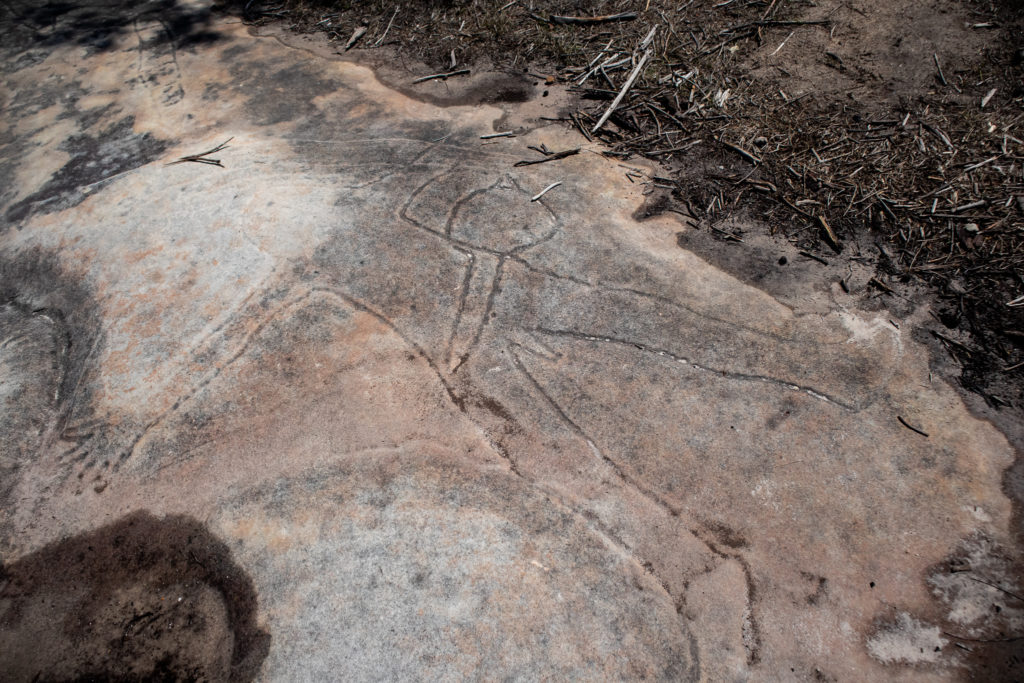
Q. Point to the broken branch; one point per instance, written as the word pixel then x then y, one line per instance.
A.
pixel 551 156
pixel 201 158
pixel 460 72
pixel 742 152
pixel 622 16
pixel 830 236
pixel 911 427
pixel 545 191
pixel 622 93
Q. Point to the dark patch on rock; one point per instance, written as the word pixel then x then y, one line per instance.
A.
pixel 96 25
pixel 481 86
pixel 212 92
pixel 35 281
pixel 141 599
pixel 502 89
pixel 25 59
pixel 985 574
pixel 48 326
pixel 655 204
pixel 496 408
pixel 10 154
pixel 489 88
pixel 768 263
pixel 25 102
pixel 783 413
pixel 727 536
pixel 820 675
pixel 86 118
pixel 751 265
pixel 1013 486
pixel 93 159
pixel 18 105
pixel 820 584
pixel 276 94
pixel 230 54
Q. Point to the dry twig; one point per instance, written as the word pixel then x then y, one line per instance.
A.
pixel 444 76
pixel 549 156
pixel 587 21
pixel 622 93
pixel 202 158
pixel 545 191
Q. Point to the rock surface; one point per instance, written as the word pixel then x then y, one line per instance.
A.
pixel 354 406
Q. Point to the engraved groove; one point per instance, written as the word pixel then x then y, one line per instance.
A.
pixel 742 376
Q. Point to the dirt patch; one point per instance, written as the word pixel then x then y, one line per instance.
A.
pixel 140 599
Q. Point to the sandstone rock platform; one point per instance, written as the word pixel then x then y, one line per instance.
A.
pixel 355 405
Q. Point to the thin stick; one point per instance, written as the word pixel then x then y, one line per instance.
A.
pixel 744 153
pixel 381 39
pixel 911 427
pixel 622 93
pixel 978 165
pixel 822 22
pixel 937 66
pixel 506 134
pixel 998 588
pixel 881 285
pixel 809 255
pixel 545 191
pixel 622 16
pixel 782 44
pixel 579 124
pixel 200 158
pixel 830 236
pixel 649 37
pixel 972 205
pixel 460 72
pixel 550 157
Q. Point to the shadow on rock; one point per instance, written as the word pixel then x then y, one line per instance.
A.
pixel 94 24
pixel 141 599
